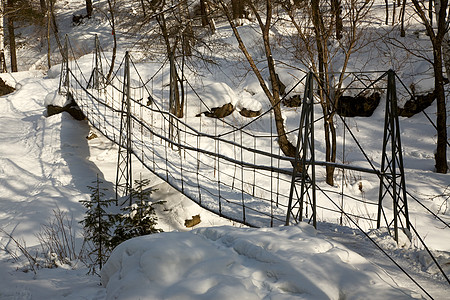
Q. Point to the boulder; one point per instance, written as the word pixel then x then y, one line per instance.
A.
pixel 192 222
pixel 4 88
pixel 53 110
pixel 248 106
pixel 72 108
pixel 249 113
pixel 293 101
pixel 219 112
pixel 358 106
pixel 416 104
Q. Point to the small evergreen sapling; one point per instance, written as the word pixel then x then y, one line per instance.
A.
pixel 97 224
pixel 137 219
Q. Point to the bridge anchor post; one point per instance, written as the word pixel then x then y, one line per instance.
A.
pixel 96 78
pixel 304 164
pixel 124 163
pixel 64 77
pixel 392 177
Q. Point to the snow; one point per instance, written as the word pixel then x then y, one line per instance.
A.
pixel 47 163
pixel 269 263
pixel 211 92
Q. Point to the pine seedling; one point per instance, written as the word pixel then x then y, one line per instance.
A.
pixel 139 218
pixel 97 224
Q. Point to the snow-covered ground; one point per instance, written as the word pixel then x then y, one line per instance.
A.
pixel 47 163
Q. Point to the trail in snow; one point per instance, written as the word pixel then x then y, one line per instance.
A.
pixel 38 159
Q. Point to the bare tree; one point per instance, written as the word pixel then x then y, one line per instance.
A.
pixel 110 15
pixel 52 26
pixel 171 41
pixel 187 31
pixel 437 35
pixel 174 28
pixel 22 13
pixel 265 23
pixel 328 60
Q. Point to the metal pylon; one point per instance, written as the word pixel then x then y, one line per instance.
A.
pixel 392 179
pixel 124 171
pixel 303 176
pixel 96 79
pixel 64 77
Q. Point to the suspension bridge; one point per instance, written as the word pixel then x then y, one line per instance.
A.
pixel 235 171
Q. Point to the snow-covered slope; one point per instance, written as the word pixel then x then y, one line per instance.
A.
pixel 229 263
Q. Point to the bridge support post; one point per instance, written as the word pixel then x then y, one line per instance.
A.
pixel 97 73
pixel 64 77
pixel 124 164
pixel 304 164
pixel 392 179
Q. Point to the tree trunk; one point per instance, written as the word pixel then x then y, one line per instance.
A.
pixel 441 117
pixel 188 32
pixel 52 15
pixel 387 12
pixel 112 7
pixel 12 36
pixel 206 16
pixel 446 53
pixel 327 107
pixel 49 49
pixel 2 40
pixel 402 26
pixel 2 18
pixel 274 98
pixel 430 11
pixel 89 8
pixel 437 39
pixel 176 107
pixel 337 14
